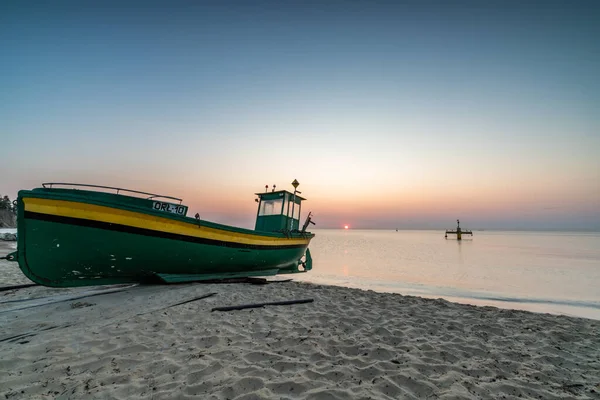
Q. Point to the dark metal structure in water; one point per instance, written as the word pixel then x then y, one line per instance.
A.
pixel 458 232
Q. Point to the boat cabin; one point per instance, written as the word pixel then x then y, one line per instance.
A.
pixel 278 211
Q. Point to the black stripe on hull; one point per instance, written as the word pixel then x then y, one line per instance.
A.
pixel 149 232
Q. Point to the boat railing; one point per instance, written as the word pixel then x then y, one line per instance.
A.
pixel 49 185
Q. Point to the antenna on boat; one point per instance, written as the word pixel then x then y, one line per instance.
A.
pixel 295 184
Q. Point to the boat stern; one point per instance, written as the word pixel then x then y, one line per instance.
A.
pixel 304 264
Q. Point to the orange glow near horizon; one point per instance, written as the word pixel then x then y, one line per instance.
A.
pixel 435 200
pixel 413 205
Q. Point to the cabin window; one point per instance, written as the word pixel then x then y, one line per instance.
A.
pixel 296 209
pixel 271 207
pixel 289 205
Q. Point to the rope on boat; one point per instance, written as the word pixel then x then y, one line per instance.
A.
pixel 15 287
pixel 9 257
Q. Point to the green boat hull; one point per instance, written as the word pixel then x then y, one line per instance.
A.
pixel 64 251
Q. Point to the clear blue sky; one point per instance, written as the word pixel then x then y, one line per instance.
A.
pixel 389 113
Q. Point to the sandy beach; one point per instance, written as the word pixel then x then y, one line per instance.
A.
pixel 132 343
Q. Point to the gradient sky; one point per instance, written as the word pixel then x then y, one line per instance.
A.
pixel 399 114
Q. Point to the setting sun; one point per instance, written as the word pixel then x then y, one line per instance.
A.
pixel 346 227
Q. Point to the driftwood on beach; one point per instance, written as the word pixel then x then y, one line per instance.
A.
pixel 258 305
pixel 179 303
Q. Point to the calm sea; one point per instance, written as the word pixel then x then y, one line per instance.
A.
pixel 550 272
pixel 553 272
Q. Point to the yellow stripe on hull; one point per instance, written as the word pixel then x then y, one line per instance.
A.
pixel 118 216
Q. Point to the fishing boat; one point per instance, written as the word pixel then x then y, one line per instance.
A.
pixel 80 235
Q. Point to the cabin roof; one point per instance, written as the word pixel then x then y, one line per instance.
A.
pixel 273 194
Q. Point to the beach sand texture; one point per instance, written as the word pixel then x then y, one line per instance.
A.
pixel 348 343
pixel 129 341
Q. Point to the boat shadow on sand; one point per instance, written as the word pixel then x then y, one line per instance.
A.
pixel 24 309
